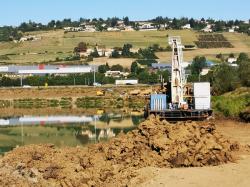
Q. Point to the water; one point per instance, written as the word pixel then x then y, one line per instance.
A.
pixel 63 130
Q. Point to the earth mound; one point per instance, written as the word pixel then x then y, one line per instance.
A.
pixel 114 163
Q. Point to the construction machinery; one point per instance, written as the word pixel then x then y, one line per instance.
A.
pixel 100 93
pixel 180 100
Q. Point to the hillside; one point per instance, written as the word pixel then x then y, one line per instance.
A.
pixel 232 104
pixel 55 44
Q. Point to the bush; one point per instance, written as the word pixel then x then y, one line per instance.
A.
pixel 230 106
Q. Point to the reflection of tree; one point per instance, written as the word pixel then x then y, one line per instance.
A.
pixel 136 120
pixel 5 149
pixel 105 118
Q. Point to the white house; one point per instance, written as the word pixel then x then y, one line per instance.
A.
pixel 116 74
pixel 73 29
pixel 112 29
pixel 204 71
pixel 231 60
pixel 128 28
pixel 146 26
pixel 29 38
pixel 187 26
pixel 231 30
pixel 208 28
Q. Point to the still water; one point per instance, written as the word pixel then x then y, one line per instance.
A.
pixel 63 130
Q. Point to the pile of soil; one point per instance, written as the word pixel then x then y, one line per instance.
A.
pixel 114 163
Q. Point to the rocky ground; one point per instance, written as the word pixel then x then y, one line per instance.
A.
pixel 137 157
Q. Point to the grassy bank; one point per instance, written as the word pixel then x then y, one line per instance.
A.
pixel 232 104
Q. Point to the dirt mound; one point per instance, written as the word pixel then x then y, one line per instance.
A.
pixel 153 143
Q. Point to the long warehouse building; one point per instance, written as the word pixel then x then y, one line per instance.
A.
pixel 47 69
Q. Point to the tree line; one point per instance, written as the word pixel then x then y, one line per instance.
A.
pixel 8 33
pixel 223 77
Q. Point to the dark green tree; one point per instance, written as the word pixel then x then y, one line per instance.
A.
pixel 103 68
pixel 126 50
pixel 116 67
pixel 115 54
pixel 126 20
pixel 199 62
pixel 225 78
pixel 95 53
pixel 242 57
pixel 244 72
pixel 134 67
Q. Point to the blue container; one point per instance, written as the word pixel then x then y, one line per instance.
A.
pixel 158 102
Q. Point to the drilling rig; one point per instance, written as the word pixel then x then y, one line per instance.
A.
pixel 184 101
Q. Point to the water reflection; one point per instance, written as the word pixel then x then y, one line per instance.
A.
pixel 63 130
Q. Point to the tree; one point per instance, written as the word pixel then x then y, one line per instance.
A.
pixel 224 78
pixel 244 72
pixel 103 68
pixel 81 47
pixel 116 67
pixel 242 57
pixel 95 53
pixel 199 62
pixel 51 24
pixel 115 54
pixel 126 50
pixel 147 53
pixel 134 67
pixel 126 20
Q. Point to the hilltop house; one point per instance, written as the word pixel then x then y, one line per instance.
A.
pixel 29 38
pixel 208 28
pixel 231 60
pixel 73 29
pixel 187 26
pixel 113 29
pixel 146 26
pixel 116 74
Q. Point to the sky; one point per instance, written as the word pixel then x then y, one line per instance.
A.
pixel 14 12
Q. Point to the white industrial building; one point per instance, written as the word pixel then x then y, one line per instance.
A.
pixel 46 69
pixel 126 82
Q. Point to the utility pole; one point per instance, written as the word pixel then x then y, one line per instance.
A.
pixel 94 75
pixel 21 80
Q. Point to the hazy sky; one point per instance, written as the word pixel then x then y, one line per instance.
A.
pixel 13 12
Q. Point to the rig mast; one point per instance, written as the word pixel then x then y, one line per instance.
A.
pixel 178 79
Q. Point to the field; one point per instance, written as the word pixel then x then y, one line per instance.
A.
pixel 57 44
pixel 212 41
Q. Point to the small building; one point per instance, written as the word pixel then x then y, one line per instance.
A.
pixel 205 71
pixel 116 74
pixel 143 26
pixel 126 82
pixel 161 66
pixel 231 30
pixel 113 29
pixel 187 26
pixel 128 28
pixel 29 38
pixel 208 28
pixel 231 60
pixel 73 29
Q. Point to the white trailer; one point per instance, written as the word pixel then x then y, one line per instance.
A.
pixel 126 82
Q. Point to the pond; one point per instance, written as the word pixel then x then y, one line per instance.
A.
pixel 63 130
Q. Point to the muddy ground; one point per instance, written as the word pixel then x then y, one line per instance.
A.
pixel 145 156
pixel 66 91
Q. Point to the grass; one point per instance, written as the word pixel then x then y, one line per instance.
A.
pixel 233 103
pixel 58 44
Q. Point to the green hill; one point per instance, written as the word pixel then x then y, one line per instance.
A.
pixel 55 44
